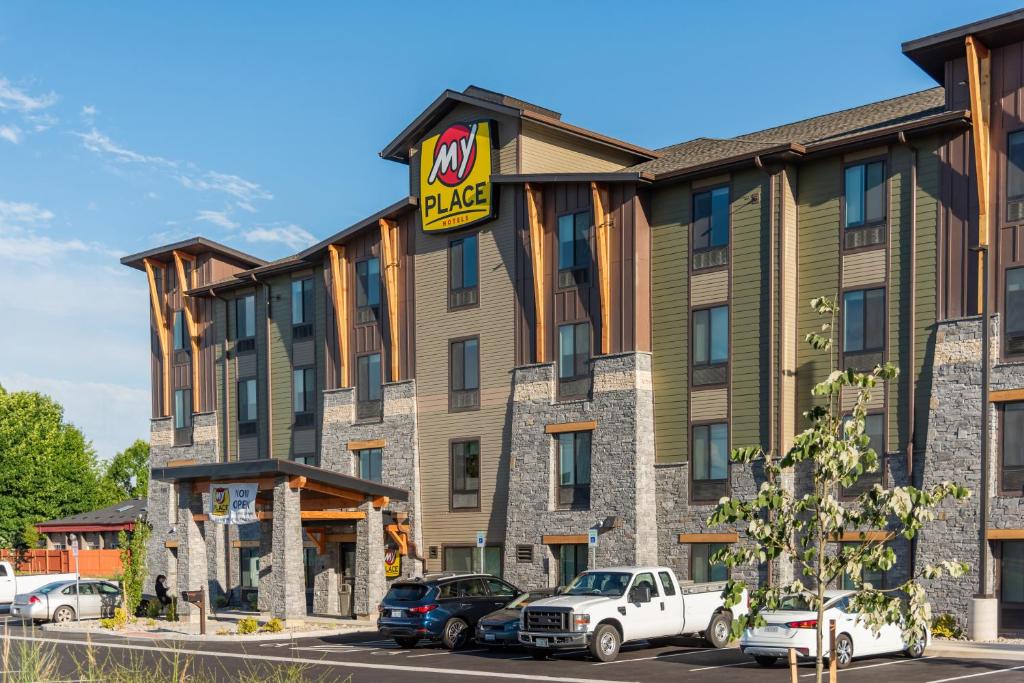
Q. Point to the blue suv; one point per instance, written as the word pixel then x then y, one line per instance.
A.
pixel 441 607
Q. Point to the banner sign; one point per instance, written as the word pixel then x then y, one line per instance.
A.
pixel 392 563
pixel 455 177
pixel 233 503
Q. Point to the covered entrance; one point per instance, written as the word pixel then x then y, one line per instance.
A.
pixel 321 534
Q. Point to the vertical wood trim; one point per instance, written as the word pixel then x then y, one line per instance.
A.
pixel 389 247
pixel 339 293
pixel 534 210
pixel 602 226
pixel 161 329
pixel 979 77
pixel 188 303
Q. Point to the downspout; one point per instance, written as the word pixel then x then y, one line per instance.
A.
pixel 270 377
pixel 912 336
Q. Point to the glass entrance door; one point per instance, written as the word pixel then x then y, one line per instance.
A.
pixel 1011 587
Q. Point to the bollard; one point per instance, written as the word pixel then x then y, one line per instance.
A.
pixel 833 672
pixel 792 665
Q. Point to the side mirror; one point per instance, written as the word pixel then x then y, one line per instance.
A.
pixel 640 594
pixel 560 590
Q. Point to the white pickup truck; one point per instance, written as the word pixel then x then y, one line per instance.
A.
pixel 11 585
pixel 604 608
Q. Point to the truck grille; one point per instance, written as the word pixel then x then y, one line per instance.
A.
pixel 541 620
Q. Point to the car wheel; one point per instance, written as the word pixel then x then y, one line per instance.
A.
pixel 844 651
pixel 62 615
pixel 764 660
pixel 456 632
pixel 915 651
pixel 604 646
pixel 540 654
pixel 406 642
pixel 719 632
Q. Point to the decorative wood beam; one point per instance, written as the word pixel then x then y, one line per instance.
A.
pixel 561 428
pixel 1004 534
pixel 190 319
pixel 389 247
pixel 602 228
pixel 564 539
pixel 979 77
pixel 709 538
pixel 535 213
pixel 339 293
pixel 341 538
pixel 245 544
pixel 380 501
pixel 261 516
pixel 161 333
pixel 1006 395
pixel 297 482
pixel 262 484
pixel 326 515
pixel 878 536
pixel 170 544
pixel 181 463
pixel 370 443
pixel 353 497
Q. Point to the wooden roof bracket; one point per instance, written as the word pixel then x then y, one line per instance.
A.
pixel 979 77
pixel 399 533
pixel 534 211
pixel 161 333
pixel 389 247
pixel 339 292
pixel 602 227
pixel 190 320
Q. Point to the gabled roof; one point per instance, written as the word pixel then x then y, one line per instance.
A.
pixel 398 149
pixel 392 211
pixel 194 245
pixel 123 514
pixel 932 52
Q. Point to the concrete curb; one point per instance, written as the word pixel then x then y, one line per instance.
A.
pixel 211 637
pixel 954 649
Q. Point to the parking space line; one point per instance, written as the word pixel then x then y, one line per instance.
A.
pixel 872 666
pixel 721 666
pixel 448 652
pixel 983 673
pixel 642 659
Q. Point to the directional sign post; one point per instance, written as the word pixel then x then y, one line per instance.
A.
pixel 78 576
pixel 481 541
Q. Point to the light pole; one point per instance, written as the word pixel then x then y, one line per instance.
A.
pixel 78 601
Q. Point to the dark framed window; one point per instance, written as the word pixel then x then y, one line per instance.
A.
pixel 369 462
pixel 574 257
pixel 1015 177
pixel 863 328
pixel 464 374
pixel 573 559
pixel 304 396
pixel 1012 447
pixel 711 227
pixel 1011 585
pixel 710 461
pixel 245 317
pixel 249 565
pixel 465 457
pixel 247 404
pixel 462 558
pixel 864 204
pixel 302 308
pixel 1014 328
pixel 463 272
pixel 182 417
pixel 710 346
pixel 573 350
pixel 701 567
pixel 367 289
pixel 874 427
pixel 876 577
pixel 179 331
pixel 369 400
pixel 574 470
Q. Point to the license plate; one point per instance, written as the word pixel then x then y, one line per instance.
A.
pixel 488 636
pixel 541 642
pixel 772 629
pixel 397 613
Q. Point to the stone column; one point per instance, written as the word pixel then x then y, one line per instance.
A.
pixel 192 565
pixel 325 583
pixel 287 578
pixel 371 584
pixel 266 534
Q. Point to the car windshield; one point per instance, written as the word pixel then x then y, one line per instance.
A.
pixel 525 599
pixel 610 584
pixel 50 587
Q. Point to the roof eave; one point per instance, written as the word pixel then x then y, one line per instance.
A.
pixel 191 245
pixel 786 150
pixel 591 136
pixel 612 177
pixel 395 209
pixel 932 52
pixel 939 121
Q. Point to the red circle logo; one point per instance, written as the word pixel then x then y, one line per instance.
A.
pixel 454 154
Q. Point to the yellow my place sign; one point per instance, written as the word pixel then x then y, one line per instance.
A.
pixel 455 177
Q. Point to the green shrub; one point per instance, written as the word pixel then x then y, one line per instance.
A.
pixel 247 626
pixel 153 609
pixel 946 626
pixel 118 621
pixel 273 626
pixel 221 601
pixel 172 610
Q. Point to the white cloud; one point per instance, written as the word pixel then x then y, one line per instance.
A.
pixel 22 213
pixel 21 241
pixel 95 141
pixel 10 133
pixel 291 235
pixel 38 248
pixel 89 111
pixel 240 188
pixel 14 98
pixel 220 218
pixel 246 206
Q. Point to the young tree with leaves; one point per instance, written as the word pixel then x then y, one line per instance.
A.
pixel 127 473
pixel 833 452
pixel 133 565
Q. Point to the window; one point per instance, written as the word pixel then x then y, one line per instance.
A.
pixel 573 351
pixel 304 396
pixel 249 563
pixel 574 470
pixel 863 327
pixel 573 248
pixel 369 462
pixel 367 288
pixel 467 559
pixel 302 302
pixel 1015 310
pixel 1011 585
pixel 572 561
pixel 182 409
pixel 500 589
pixel 701 568
pixel 465 475
pixel 368 386
pixel 245 317
pixel 1013 448
pixel 710 228
pixel 711 346
pixel 710 461
pixel 1015 177
pixel 247 401
pixel 876 577
pixel 666 583
pixel 179 331
pixel 464 377
pixel 874 427
pixel 864 204
pixel 463 276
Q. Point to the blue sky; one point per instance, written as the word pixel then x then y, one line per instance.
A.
pixel 128 125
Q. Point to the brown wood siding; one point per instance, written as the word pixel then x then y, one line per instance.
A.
pixel 958 271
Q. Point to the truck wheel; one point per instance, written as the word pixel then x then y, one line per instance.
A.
pixel 540 654
pixel 764 660
pixel 63 615
pixel 406 642
pixel 719 631
pixel 604 646
pixel 455 632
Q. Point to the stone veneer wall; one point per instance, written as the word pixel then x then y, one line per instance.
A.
pixel 622 482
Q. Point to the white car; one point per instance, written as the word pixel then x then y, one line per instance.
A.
pixel 793 626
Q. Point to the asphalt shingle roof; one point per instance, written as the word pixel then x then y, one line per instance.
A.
pixel 125 512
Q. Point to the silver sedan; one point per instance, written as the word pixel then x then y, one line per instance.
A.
pixel 57 601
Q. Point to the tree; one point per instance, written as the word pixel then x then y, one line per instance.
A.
pixel 127 473
pixel 47 468
pixel 833 451
pixel 133 563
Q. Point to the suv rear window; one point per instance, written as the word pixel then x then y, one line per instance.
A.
pixel 406 591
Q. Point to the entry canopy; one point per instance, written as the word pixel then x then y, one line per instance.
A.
pixel 342 489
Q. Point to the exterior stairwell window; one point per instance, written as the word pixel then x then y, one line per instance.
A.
pixel 711 346
pixel 245 323
pixel 369 394
pixel 574 255
pixel 574 471
pixel 863 328
pixel 247 408
pixel 1012 447
pixel 463 273
pixel 302 308
pixel 180 335
pixel 864 198
pixel 304 396
pixel 711 228
pixel 574 360
pixel 465 475
pixel 464 375
pixel 369 464
pixel 182 417
pixel 367 290
pixel 1014 329
pixel 710 478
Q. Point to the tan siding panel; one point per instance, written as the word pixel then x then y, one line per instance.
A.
pixel 709 404
pixel 709 288
pixel 546 150
pixel 864 268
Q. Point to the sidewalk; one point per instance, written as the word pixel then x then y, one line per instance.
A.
pixel 967 649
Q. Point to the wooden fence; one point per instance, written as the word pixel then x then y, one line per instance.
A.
pixel 93 563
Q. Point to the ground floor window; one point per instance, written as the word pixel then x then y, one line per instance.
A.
pixel 309 565
pixel 701 567
pixel 467 559
pixel 1011 586
pixel 249 563
pixel 876 577
pixel 572 560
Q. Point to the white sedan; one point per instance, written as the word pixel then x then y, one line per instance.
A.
pixel 793 626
